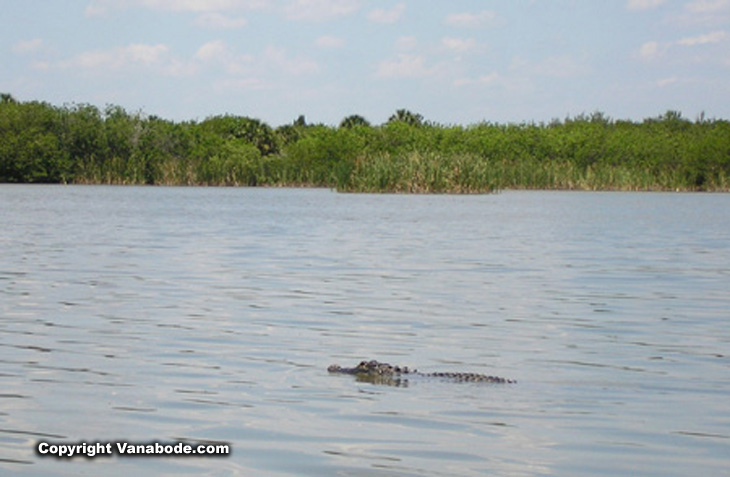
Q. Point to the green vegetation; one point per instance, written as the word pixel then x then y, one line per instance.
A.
pixel 83 144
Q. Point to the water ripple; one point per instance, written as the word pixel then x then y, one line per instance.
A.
pixel 150 313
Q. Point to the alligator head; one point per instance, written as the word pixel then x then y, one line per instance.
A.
pixel 374 368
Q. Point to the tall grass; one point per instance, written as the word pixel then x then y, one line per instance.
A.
pixel 417 172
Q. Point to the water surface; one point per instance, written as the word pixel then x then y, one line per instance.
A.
pixel 211 314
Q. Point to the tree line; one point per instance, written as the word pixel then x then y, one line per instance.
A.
pixel 80 143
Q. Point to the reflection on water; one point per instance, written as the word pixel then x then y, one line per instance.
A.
pixel 204 315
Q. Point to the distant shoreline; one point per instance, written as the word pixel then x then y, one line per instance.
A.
pixel 80 144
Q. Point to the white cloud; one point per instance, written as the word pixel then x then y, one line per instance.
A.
pixel 653 49
pixel 41 65
pixel 188 5
pixel 708 6
pixel 330 42
pixel 104 7
pixel 459 45
pixel 218 21
pixel 241 84
pixel 406 43
pixel 121 57
pixel 213 51
pixel 279 60
pixel 217 52
pixel 650 49
pixel 320 10
pixel 643 4
pixel 481 80
pixel 559 67
pixel 27 47
pixel 404 66
pixel 273 60
pixel 666 82
pixel 145 54
pixel 704 14
pixel 442 61
pixel 176 67
pixel 714 37
pixel 99 7
pixel 471 20
pixel 381 15
pixel 155 58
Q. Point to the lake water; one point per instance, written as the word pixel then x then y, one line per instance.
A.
pixel 147 314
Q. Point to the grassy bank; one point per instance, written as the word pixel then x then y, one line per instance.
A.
pixel 82 144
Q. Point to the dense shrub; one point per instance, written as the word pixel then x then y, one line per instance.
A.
pixel 80 143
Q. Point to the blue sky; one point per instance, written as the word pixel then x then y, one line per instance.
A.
pixel 461 61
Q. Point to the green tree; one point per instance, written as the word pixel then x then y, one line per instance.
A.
pixel 250 130
pixel 30 150
pixel 408 117
pixel 353 121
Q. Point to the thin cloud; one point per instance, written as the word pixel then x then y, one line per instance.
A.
pixel 272 60
pixel 635 5
pixel 241 84
pixel 145 54
pixel 278 59
pixel 705 14
pixel 329 42
pixel 218 53
pixel 381 15
pixel 708 6
pixel 666 82
pixel 560 66
pixel 155 58
pixel 650 50
pixel 654 49
pixel 27 47
pixel 459 45
pixel 471 20
pixel 479 81
pixel 217 21
pixel 104 7
pixel 406 43
pixel 216 50
pixel 320 10
pixel 404 66
pixel 121 57
pixel 714 37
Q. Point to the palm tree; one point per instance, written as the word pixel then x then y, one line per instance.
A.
pixel 403 115
pixel 353 121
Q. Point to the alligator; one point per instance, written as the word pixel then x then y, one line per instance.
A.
pixel 383 373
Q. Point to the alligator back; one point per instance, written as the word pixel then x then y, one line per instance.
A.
pixel 383 373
